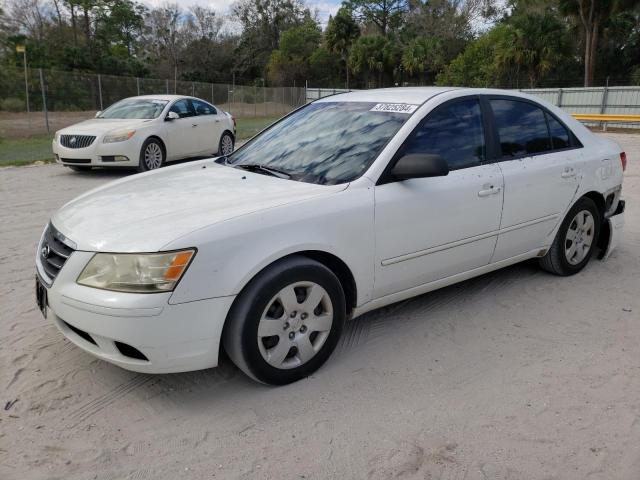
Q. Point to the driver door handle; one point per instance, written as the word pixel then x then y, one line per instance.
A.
pixel 489 190
pixel 194 124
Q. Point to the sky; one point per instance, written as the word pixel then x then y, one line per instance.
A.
pixel 324 7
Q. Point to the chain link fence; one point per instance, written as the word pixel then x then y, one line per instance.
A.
pixel 40 101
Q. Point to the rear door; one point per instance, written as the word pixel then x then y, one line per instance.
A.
pixel 541 165
pixel 431 228
pixel 209 126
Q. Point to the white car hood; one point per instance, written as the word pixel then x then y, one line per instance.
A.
pixel 97 126
pixel 145 212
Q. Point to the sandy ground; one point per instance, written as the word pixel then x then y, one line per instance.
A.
pixel 514 375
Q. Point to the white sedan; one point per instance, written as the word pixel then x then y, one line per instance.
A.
pixel 348 204
pixel 145 132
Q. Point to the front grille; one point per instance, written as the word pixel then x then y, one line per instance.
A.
pixel 53 252
pixel 76 141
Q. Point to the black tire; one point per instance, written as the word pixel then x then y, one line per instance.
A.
pixel 556 261
pixel 79 169
pixel 240 335
pixel 146 162
pixel 226 137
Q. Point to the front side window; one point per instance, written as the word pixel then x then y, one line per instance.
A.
pixel 183 108
pixel 203 108
pixel 324 142
pixel 135 108
pixel 454 131
pixel 522 128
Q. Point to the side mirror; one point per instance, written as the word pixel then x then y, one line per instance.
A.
pixel 420 165
pixel 98 113
pixel 172 116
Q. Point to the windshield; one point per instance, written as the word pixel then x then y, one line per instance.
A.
pixel 324 143
pixel 142 108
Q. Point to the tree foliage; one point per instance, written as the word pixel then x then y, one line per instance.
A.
pixel 365 43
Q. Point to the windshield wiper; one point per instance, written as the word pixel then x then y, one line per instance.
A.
pixel 257 168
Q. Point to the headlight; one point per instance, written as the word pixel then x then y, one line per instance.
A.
pixel 118 136
pixel 136 272
pixel 56 137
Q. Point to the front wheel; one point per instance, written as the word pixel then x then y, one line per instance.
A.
pixel 286 322
pixel 152 155
pixel 575 241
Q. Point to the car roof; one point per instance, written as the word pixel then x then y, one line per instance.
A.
pixel 167 97
pixel 415 95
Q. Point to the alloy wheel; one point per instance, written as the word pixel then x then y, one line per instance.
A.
pixel 153 156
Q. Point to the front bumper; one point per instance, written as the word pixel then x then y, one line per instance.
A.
pixel 99 154
pixel 171 338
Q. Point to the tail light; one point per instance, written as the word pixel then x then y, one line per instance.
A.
pixel 234 127
pixel 623 160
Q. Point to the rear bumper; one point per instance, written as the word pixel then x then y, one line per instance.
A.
pixel 615 225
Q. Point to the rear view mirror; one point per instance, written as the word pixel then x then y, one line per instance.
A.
pixel 420 165
pixel 172 116
pixel 98 113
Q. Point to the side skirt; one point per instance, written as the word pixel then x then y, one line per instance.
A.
pixel 444 282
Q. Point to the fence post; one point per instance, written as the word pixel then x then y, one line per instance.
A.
pixel 100 90
pixel 213 100
pixel 138 85
pixel 44 100
pixel 167 85
pixel 603 104
pixel 193 89
pixel 264 99
pixel 255 103
pixel 560 97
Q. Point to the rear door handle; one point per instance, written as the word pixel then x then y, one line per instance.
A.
pixel 489 190
pixel 194 124
pixel 568 173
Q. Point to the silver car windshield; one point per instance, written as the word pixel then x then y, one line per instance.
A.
pixel 135 108
pixel 325 142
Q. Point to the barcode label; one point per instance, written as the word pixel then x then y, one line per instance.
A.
pixel 395 108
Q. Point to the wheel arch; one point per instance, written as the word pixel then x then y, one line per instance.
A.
pixel 329 260
pixel 153 137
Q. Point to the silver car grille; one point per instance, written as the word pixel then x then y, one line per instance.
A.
pixel 76 141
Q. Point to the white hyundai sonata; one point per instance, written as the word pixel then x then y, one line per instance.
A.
pixel 145 132
pixel 348 204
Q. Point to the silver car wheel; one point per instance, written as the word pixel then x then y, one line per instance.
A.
pixel 226 145
pixel 295 325
pixel 579 237
pixel 153 156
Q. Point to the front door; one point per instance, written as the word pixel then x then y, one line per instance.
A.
pixel 183 133
pixel 431 228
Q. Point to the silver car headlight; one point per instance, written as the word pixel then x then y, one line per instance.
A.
pixel 136 272
pixel 118 136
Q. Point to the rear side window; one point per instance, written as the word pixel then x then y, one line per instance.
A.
pixel 522 128
pixel 453 131
pixel 203 108
pixel 559 135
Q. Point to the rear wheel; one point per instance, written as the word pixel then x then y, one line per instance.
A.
pixel 575 241
pixel 226 144
pixel 286 322
pixel 152 155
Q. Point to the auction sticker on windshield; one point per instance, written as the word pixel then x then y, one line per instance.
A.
pixel 395 107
